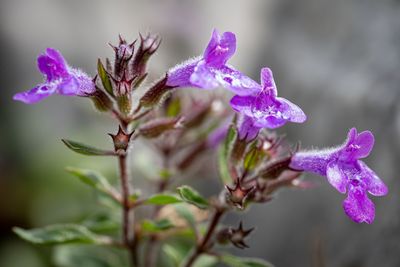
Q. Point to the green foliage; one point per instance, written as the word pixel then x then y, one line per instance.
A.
pixel 101 222
pixel 175 254
pixel 86 256
pixel 156 226
pixel 234 261
pixel 93 179
pixel 162 199
pixel 60 234
pixel 253 157
pixel 105 80
pixel 191 196
pixel 223 155
pixel 174 107
pixel 85 149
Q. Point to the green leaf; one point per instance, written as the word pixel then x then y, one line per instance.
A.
pixel 253 157
pixel 93 179
pixel 60 234
pixel 174 107
pixel 86 150
pixel 105 80
pixel 156 226
pixel 234 261
pixel 173 254
pixel 101 222
pixel 88 256
pixel 162 199
pixel 223 155
pixel 191 196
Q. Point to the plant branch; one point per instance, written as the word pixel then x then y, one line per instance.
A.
pixel 204 246
pixel 127 216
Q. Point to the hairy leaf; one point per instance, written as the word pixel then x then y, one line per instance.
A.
pixel 60 234
pixel 85 149
pixel 162 199
pixel 191 196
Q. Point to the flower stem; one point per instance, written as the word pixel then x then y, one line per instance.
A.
pixel 127 216
pixel 203 246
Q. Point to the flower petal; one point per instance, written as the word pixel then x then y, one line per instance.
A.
pixel 35 94
pixel 290 111
pixel 220 48
pixel 247 129
pixel 365 142
pixel 270 121
pixel 236 81
pixel 267 81
pixel 52 64
pixel 358 206
pixel 203 76
pixel 79 83
pixel 312 161
pixel 208 77
pixel 243 104
pixel 179 76
pixel 351 137
pixel 374 184
pixel 336 177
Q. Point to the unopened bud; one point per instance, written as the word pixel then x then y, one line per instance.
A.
pixel 274 169
pixel 123 53
pixel 148 46
pixel 157 127
pixel 121 139
pixel 156 93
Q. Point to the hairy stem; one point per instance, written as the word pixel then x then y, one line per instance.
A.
pixel 127 216
pixel 203 246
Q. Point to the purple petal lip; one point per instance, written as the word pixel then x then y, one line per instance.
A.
pixel 59 79
pixel 266 109
pixel 346 172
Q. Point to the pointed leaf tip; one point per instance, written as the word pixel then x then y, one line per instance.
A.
pixel 83 149
pixel 191 196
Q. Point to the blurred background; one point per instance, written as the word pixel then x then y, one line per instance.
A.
pixel 338 60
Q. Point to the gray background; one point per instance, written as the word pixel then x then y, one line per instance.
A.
pixel 338 60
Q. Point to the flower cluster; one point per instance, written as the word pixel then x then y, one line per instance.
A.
pixel 254 162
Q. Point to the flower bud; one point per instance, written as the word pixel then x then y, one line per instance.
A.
pixel 274 169
pixel 157 127
pixel 156 93
pixel 123 53
pixel 123 94
pixel 148 46
pixel 121 140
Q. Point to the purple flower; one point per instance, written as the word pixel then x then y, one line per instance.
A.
pixel 211 70
pixel 265 108
pixel 346 172
pixel 247 130
pixel 60 79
